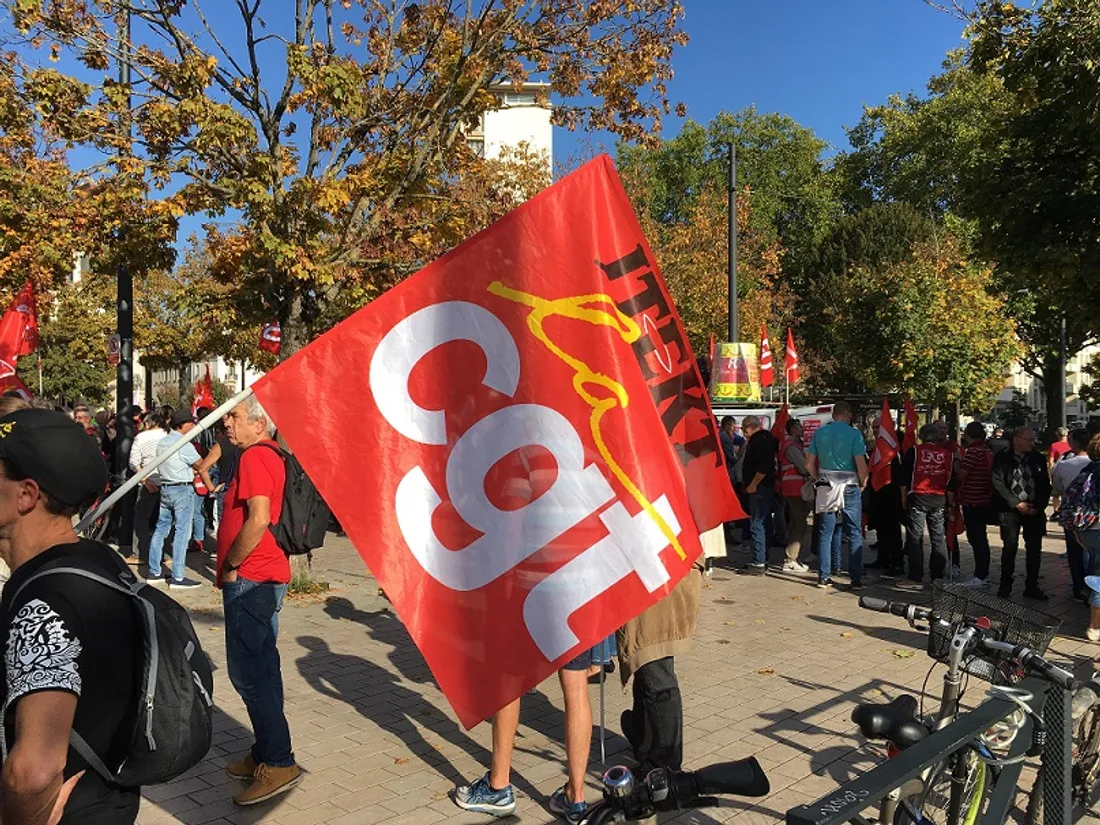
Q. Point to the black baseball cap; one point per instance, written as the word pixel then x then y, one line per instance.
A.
pixel 181 417
pixel 56 452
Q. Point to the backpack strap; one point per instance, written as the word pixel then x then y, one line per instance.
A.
pixel 77 743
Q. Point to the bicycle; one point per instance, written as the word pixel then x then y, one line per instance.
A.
pixel 989 647
pixel 1085 771
pixel 626 799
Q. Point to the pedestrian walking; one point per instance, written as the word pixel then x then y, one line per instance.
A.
pixel 147 504
pixel 177 497
pixel 976 495
pixel 1021 489
pixel 253 574
pixel 837 459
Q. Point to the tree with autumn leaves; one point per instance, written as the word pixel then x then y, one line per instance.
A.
pixel 334 129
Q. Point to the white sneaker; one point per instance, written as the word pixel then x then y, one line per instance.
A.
pixel 795 567
pixel 956 573
pixel 1093 634
pixel 974 582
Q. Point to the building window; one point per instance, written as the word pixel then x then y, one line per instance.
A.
pixel 478 147
pixel 519 99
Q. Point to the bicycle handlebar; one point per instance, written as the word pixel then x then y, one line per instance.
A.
pixel 1024 655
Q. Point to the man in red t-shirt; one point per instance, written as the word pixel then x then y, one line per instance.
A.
pixel 976 495
pixel 253 573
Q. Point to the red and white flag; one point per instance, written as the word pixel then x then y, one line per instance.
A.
pixel 767 373
pixel 271 338
pixel 543 454
pixel 204 394
pixel 886 448
pixel 792 358
pixel 912 421
pixel 19 326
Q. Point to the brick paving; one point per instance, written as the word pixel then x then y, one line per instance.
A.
pixel 775 670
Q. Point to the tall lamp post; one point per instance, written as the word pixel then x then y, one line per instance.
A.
pixel 732 263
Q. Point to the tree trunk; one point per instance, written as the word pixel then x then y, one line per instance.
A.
pixel 1055 394
pixel 184 387
pixel 293 328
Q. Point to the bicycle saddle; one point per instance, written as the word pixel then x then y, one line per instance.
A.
pixel 895 722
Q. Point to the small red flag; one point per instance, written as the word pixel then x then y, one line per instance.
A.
pixel 779 428
pixel 792 358
pixel 886 448
pixel 204 394
pixel 767 374
pixel 712 351
pixel 19 326
pixel 271 339
pixel 912 420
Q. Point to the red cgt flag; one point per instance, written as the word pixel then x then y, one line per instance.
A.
pixel 912 421
pixel 542 450
pixel 19 326
pixel 767 373
pixel 886 448
pixel 792 358
pixel 271 338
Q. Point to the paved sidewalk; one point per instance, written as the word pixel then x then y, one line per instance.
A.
pixel 775 670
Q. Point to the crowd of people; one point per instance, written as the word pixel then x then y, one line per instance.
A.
pixel 937 489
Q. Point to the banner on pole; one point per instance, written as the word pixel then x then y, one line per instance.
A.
pixel 736 373
pixel 542 454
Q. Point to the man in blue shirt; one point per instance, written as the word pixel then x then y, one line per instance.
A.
pixel 837 458
pixel 177 499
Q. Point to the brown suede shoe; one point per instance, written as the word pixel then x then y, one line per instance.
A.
pixel 268 783
pixel 245 769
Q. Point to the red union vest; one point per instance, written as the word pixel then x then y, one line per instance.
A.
pixel 790 479
pixel 932 469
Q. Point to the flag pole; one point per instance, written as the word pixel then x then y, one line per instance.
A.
pixel 40 373
pixel 148 469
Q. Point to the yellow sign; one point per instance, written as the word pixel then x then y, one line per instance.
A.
pixel 735 375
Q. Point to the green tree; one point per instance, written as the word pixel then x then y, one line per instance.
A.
pixel 73 344
pixel 779 162
pixel 329 125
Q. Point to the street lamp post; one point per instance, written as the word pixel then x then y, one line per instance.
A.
pixel 732 263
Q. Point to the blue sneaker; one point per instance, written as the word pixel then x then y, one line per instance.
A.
pixel 481 798
pixel 573 812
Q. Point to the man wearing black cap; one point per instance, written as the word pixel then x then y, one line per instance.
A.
pixel 69 643
pixel 177 502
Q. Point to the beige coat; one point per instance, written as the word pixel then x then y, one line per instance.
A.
pixel 665 629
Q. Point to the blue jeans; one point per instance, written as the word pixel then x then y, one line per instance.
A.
pixel 1090 561
pixel 176 502
pixel 198 519
pixel 252 659
pixel 760 510
pixel 832 526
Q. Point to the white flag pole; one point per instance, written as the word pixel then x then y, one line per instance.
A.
pixel 148 469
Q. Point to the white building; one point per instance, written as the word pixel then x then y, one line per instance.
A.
pixel 1034 394
pixel 523 118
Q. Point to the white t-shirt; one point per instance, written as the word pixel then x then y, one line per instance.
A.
pixel 1066 470
pixel 144 450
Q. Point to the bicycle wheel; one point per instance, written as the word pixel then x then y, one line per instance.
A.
pixel 962 770
pixel 1085 776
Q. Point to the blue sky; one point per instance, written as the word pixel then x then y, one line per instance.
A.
pixel 818 61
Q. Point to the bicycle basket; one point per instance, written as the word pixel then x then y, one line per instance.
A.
pixel 1009 622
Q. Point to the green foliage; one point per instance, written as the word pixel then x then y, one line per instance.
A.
pixel 73 344
pixel 1017 413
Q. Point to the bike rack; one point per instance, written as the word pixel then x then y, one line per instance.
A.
pixel 847 802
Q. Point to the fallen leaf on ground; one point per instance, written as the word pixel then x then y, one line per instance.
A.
pixel 758 621
pixel 798 598
pixel 767 671
pixel 847 635
pixel 904 654
pixel 729 624
pixel 401 760
pixel 723 641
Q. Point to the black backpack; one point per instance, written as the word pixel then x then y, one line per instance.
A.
pixel 172 727
pixel 304 519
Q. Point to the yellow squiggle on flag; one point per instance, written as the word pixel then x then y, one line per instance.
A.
pixel 577 307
